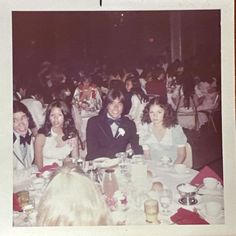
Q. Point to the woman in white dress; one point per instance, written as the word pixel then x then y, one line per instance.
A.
pixel 57 139
pixel 161 133
pixel 138 100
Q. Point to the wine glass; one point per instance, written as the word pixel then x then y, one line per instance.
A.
pixel 165 198
pixel 122 156
pixel 123 163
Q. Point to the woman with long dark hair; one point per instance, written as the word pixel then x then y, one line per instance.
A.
pixel 161 133
pixel 58 138
pixel 138 99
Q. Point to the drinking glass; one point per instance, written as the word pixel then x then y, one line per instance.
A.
pixel 165 198
pixel 123 164
pixel 28 209
pixel 151 210
pixel 122 156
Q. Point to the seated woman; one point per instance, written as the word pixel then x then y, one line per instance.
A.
pixel 85 103
pixel 72 199
pixel 86 96
pixel 161 133
pixel 23 150
pixel 57 139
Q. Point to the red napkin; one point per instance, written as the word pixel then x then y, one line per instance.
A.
pixel 186 217
pixel 16 205
pixel 52 167
pixel 205 172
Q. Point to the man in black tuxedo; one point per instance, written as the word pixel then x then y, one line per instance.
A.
pixel 110 132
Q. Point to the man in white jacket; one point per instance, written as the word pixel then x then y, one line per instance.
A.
pixel 23 150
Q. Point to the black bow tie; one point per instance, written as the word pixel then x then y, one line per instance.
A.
pixel 26 139
pixel 111 121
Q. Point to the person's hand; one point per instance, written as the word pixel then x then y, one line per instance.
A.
pixel 68 162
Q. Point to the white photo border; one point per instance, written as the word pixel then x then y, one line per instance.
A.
pixel 228 115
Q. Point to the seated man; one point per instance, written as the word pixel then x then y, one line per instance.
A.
pixel 23 150
pixel 110 132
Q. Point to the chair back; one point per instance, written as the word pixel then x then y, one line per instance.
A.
pixel 216 102
pixel 189 157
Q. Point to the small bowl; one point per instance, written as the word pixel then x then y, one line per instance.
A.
pixel 187 193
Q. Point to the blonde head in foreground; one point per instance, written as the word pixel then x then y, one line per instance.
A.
pixel 72 199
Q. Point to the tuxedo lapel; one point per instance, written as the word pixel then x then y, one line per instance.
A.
pixel 17 152
pixel 122 126
pixel 105 127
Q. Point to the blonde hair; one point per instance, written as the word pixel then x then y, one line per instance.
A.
pixel 72 199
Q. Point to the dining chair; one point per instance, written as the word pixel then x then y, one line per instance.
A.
pixel 212 111
pixel 188 117
pixel 189 157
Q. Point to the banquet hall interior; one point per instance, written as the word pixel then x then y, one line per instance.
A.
pixel 69 43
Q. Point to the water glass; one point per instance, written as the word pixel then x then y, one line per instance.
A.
pixel 122 156
pixel 151 210
pixel 165 198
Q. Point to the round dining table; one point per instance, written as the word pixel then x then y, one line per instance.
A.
pixel 135 187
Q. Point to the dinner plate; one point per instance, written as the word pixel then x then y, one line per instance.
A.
pixel 162 166
pixel 218 219
pixel 173 172
pixel 105 162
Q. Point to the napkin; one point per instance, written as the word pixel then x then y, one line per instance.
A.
pixel 186 217
pixel 51 167
pixel 16 205
pixel 205 172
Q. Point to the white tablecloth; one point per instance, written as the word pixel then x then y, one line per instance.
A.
pixel 134 212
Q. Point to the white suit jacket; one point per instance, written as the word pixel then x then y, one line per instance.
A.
pixel 22 167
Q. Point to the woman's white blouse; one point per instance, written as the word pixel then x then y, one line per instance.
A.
pixel 167 146
pixel 52 153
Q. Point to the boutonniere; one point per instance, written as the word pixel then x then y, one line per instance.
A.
pixel 121 132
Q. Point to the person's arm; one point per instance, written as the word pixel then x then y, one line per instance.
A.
pixel 98 100
pixel 38 150
pixel 75 150
pixel 134 139
pixel 181 155
pixel 134 104
pixel 180 141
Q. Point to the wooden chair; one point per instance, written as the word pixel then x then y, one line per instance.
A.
pixel 189 157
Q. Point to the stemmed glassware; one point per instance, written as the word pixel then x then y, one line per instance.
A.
pixel 123 163
pixel 165 198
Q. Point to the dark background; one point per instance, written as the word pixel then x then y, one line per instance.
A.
pixel 72 38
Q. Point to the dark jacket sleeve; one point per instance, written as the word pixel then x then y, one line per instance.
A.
pixel 134 139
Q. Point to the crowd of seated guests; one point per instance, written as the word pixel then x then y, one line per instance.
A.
pixel 129 107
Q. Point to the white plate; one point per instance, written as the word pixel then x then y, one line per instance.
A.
pixel 219 219
pixel 105 162
pixel 205 191
pixel 173 172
